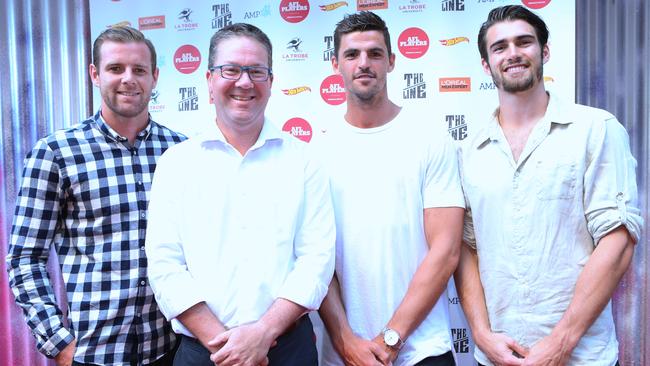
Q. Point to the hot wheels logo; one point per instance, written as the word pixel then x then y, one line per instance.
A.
pixel 453 41
pixel 331 7
pixel 298 90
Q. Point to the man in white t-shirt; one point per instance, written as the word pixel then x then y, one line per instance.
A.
pixel 399 209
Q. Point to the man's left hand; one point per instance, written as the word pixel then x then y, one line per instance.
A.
pixel 549 351
pixel 246 345
pixel 392 352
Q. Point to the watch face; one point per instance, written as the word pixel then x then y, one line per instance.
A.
pixel 391 337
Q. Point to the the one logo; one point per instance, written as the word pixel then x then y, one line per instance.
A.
pixel 453 41
pixel 186 23
pixel 187 59
pixel 189 99
pixel 487 86
pixel 413 42
pixel 332 90
pixel 413 6
pixel 124 23
pixel 222 15
pixel 372 4
pixel 295 53
pixel 265 12
pixel 294 11
pixel 297 90
pixel 456 126
pixel 154 104
pixel 415 88
pixel 453 5
pixel 330 7
pixel 455 85
pixel 152 22
pixel 535 4
pixel 299 128
pixel 329 48
pixel 461 340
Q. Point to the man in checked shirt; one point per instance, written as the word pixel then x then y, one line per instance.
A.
pixel 84 191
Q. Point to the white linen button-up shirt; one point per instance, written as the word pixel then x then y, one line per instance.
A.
pixel 238 231
pixel 536 221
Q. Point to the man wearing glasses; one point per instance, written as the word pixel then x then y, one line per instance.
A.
pixel 241 230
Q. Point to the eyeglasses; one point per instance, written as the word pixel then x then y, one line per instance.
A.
pixel 234 72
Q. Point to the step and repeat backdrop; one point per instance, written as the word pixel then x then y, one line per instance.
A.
pixel 438 70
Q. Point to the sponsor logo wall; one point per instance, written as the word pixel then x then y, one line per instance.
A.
pixel 438 71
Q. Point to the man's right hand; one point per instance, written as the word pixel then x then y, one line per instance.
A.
pixel 362 352
pixel 501 349
pixel 66 356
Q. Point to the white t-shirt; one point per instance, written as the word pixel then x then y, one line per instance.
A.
pixel 381 180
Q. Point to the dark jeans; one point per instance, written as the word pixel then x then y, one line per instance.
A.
pixel 446 359
pixel 166 360
pixel 296 347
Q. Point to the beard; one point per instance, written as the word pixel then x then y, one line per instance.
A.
pixel 518 85
pixel 125 110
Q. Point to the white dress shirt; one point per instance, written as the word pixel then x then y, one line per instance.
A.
pixel 238 231
pixel 536 221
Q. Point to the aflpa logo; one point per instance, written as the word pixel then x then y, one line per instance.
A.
pixel 187 59
pixel 294 11
pixel 413 43
pixel 299 128
pixel 332 90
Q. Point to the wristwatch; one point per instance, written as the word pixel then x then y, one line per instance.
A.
pixel 392 338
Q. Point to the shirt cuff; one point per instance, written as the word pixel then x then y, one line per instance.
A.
pixel 55 344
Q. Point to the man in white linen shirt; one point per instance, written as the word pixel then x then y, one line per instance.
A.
pixel 399 211
pixel 241 235
pixel 552 212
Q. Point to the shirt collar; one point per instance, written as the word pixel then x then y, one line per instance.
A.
pixel 556 113
pixel 268 133
pixel 112 134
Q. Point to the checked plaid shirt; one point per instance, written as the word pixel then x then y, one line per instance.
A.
pixel 85 190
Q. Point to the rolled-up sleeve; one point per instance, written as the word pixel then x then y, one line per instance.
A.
pixel 611 197
pixel 307 283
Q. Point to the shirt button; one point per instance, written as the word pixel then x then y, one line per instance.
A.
pixel 516 174
pixel 143 215
pixel 143 282
pixel 139 183
pixel 142 247
pixel 619 196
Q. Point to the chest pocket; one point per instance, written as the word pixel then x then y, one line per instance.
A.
pixel 556 179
